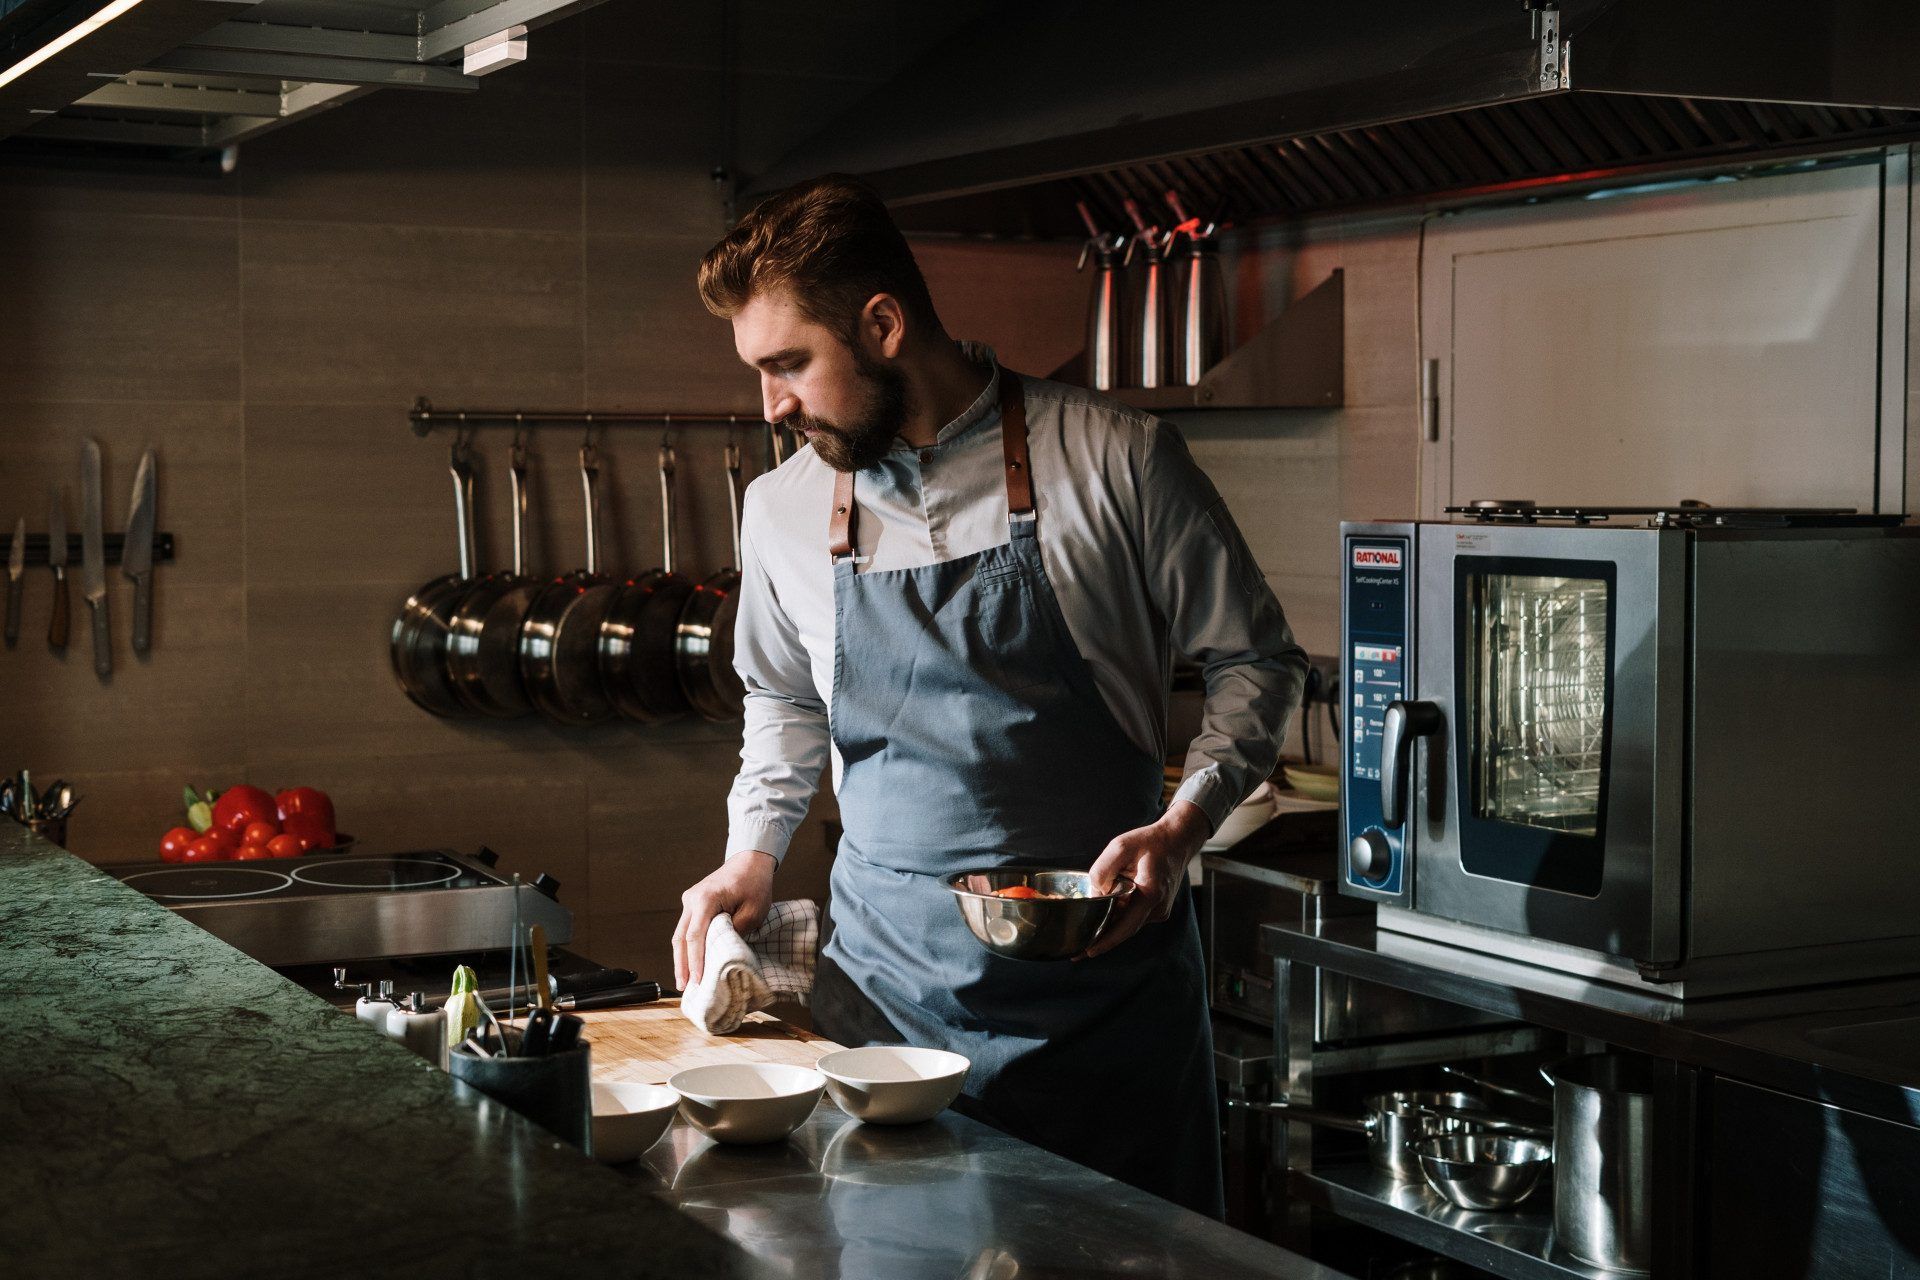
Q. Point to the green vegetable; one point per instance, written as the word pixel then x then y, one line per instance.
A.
pixel 199 811
pixel 463 1005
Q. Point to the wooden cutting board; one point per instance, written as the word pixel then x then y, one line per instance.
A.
pixel 649 1043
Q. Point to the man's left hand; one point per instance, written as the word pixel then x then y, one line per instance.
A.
pixel 1154 858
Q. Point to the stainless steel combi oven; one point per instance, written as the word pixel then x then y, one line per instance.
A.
pixel 1672 748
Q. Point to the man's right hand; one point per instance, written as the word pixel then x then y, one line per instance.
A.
pixel 741 888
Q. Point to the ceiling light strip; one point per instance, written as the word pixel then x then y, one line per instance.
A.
pixel 72 35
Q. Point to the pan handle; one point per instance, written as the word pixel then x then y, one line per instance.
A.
pixel 462 468
pixel 666 507
pixel 1307 1115
pixel 590 483
pixel 733 497
pixel 1493 1124
pixel 518 473
pixel 1491 1087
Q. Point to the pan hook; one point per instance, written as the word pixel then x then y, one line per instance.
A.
pixel 519 448
pixel 462 448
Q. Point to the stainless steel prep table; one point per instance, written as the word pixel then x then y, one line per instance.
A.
pixel 1813 1041
pixel 1792 1147
pixel 947 1200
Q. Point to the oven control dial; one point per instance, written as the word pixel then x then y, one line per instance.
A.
pixel 1370 855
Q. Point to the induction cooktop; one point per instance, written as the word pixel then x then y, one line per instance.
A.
pixel 325 908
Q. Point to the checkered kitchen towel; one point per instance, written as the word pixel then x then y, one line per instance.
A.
pixel 743 976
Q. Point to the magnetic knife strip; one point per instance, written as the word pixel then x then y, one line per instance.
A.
pixel 110 546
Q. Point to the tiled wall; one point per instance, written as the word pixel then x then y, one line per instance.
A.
pixel 533 243
pixel 1291 476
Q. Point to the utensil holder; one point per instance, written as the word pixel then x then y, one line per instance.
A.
pixel 555 1091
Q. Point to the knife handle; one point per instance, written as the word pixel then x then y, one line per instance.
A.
pixel 618 997
pixel 579 984
pixel 142 612
pixel 62 607
pixel 102 641
pixel 14 587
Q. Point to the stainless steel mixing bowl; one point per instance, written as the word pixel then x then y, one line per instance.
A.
pixel 1034 928
pixel 1480 1171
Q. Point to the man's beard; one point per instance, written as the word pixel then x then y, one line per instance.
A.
pixel 857 445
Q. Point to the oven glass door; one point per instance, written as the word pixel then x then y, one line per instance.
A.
pixel 1533 669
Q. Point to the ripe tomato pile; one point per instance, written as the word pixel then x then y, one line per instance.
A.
pixel 244 823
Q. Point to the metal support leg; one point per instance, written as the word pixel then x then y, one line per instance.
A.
pixel 1294 1003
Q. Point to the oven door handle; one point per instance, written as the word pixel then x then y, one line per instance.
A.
pixel 1405 721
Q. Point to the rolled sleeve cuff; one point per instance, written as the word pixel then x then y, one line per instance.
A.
pixel 763 836
pixel 1210 792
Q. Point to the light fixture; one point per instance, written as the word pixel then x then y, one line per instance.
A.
pixel 72 35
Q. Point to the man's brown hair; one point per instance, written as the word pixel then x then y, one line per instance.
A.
pixel 830 243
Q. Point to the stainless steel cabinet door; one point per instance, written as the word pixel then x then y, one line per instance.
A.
pixel 1719 341
pixel 1796 1189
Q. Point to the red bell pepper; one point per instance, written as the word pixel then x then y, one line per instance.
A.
pixel 241 806
pixel 306 813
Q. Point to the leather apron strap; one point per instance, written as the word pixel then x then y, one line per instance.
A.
pixel 843 527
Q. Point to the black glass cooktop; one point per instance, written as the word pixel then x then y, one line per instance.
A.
pixel 301 877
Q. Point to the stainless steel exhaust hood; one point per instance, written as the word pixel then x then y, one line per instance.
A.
pixel 1293 107
pixel 190 78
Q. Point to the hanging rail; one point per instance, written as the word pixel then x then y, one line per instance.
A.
pixel 425 418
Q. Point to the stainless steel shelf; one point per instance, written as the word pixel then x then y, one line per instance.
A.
pixel 1296 361
pixel 1517 1244
pixel 1418 1051
pixel 1781 1040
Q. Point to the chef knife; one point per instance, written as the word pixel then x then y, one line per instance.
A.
pixel 639 993
pixel 136 552
pixel 93 559
pixel 572 984
pixel 16 567
pixel 57 558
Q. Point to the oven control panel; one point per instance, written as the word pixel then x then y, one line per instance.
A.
pixel 1375 661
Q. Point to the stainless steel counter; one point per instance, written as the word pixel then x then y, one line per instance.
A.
pixel 1853 1045
pixel 947 1200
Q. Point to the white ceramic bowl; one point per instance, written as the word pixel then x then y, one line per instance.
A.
pixel 629 1118
pixel 748 1101
pixel 894 1084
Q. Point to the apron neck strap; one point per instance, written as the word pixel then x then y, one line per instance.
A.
pixel 842 529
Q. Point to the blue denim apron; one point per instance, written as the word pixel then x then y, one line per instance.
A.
pixel 972 735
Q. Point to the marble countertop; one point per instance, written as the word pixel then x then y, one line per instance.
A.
pixel 171 1108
